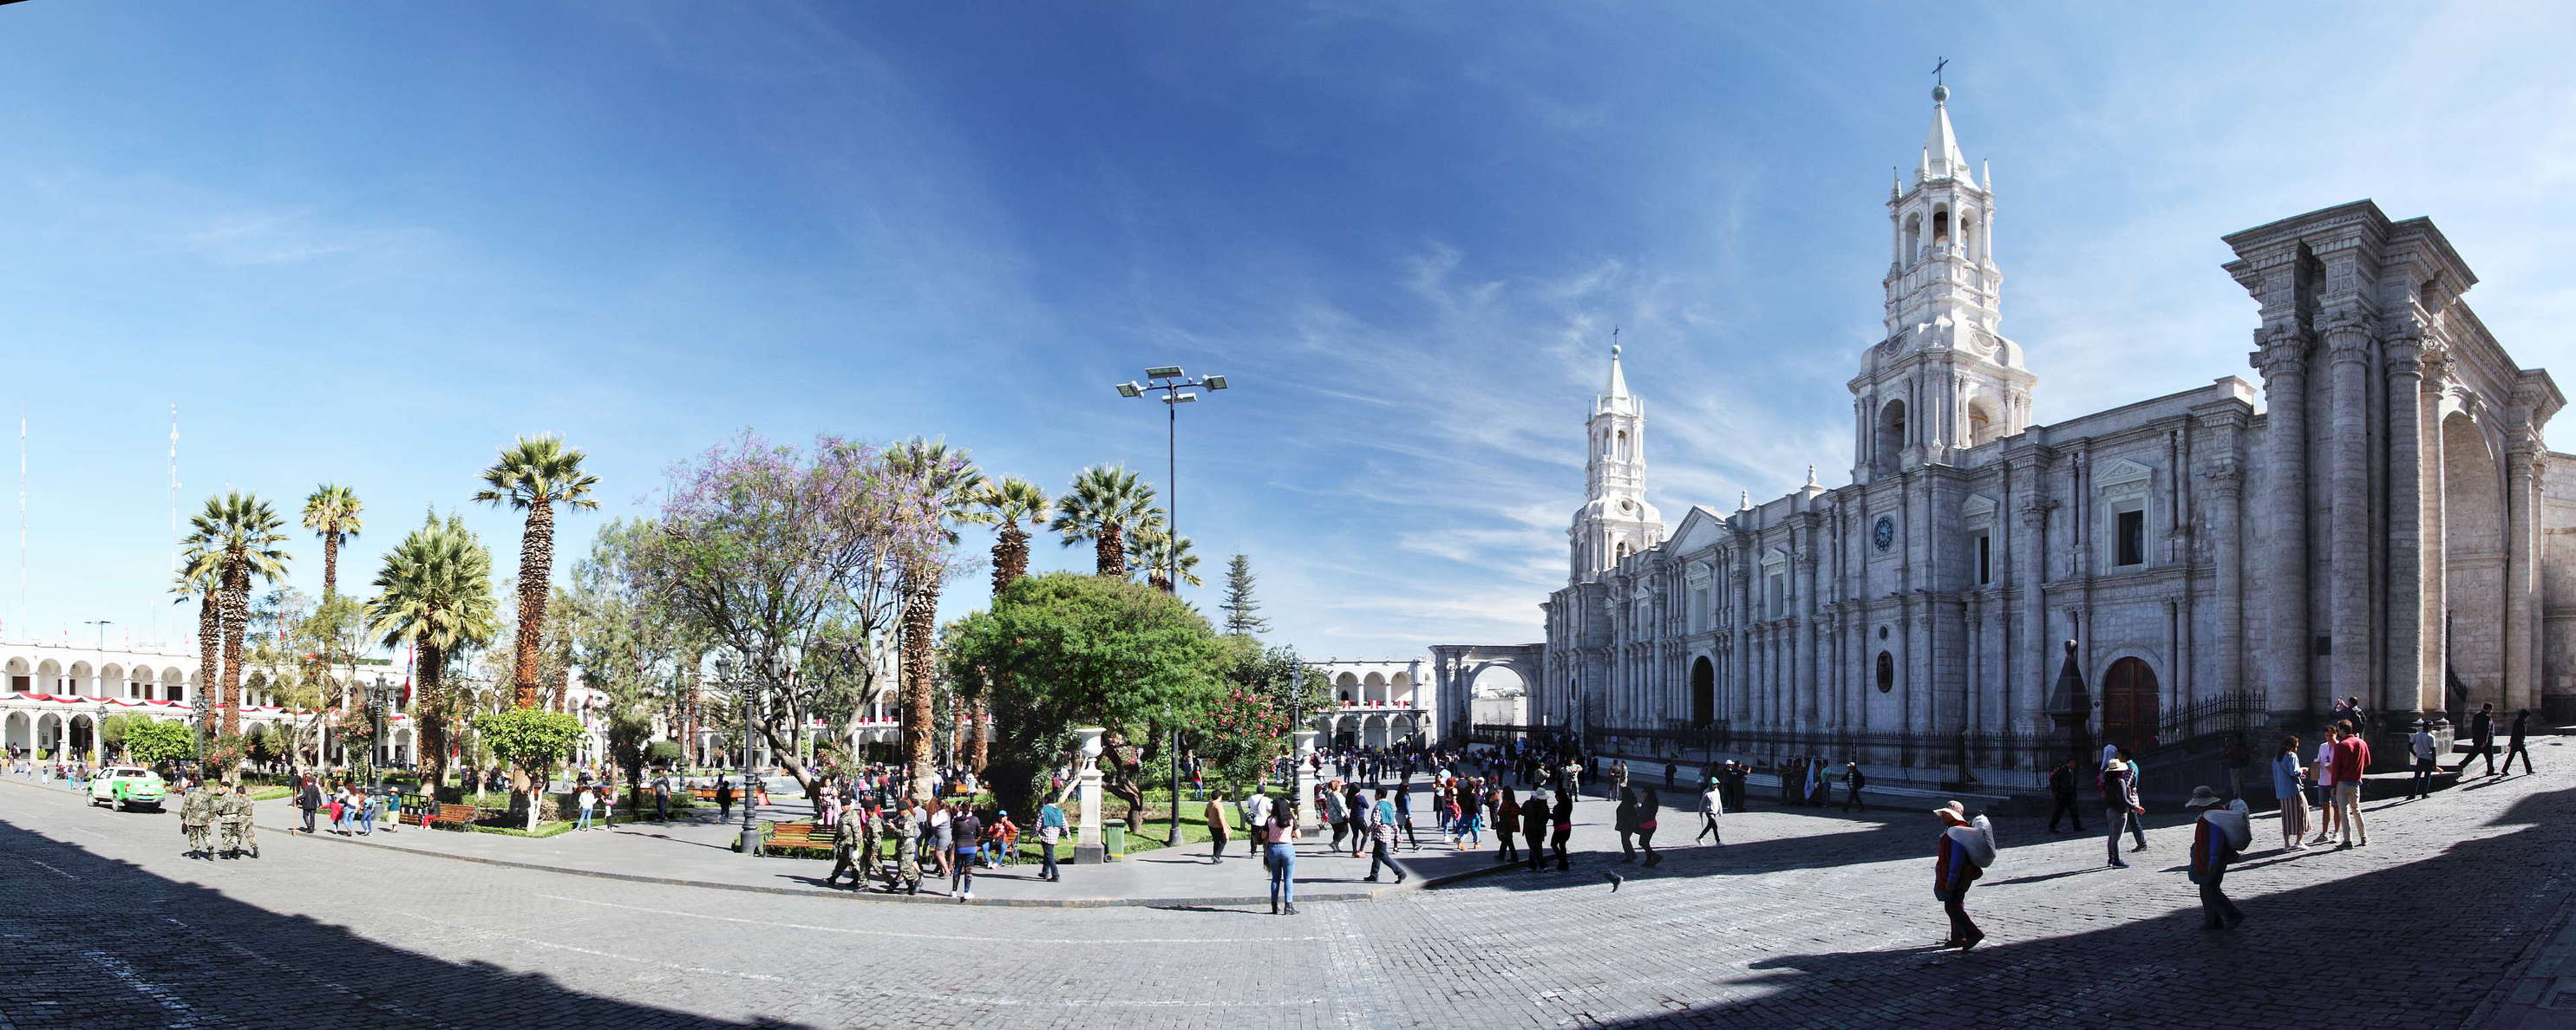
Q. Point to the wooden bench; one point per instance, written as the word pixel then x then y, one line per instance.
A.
pixel 706 794
pixel 454 817
pixel 797 837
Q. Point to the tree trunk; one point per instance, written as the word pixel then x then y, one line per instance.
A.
pixel 536 563
pixel 1109 551
pixel 236 591
pixel 330 566
pixel 210 644
pixel 427 707
pixel 920 624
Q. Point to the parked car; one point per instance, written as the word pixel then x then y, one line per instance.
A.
pixel 127 786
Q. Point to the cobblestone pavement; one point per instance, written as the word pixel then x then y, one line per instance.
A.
pixel 1802 919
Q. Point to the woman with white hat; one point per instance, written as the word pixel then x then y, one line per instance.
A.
pixel 1966 847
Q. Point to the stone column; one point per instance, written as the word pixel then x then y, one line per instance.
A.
pixel 2401 695
pixel 2348 592
pixel 2283 364
pixel 1743 707
pixel 1810 708
pixel 2521 581
pixel 2030 573
pixel 1086 785
pixel 2434 673
pixel 2225 486
pixel 1307 817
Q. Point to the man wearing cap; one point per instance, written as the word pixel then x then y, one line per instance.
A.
pixel 2514 745
pixel 1853 781
pixel 2216 840
pixel 1960 856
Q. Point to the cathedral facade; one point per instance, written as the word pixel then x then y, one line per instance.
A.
pixel 2373 515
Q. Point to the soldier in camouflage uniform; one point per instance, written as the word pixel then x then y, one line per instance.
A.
pixel 864 823
pixel 845 848
pixel 233 808
pixel 196 816
pixel 907 851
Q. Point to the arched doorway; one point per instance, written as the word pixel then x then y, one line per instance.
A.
pixel 1890 438
pixel 2129 705
pixel 1497 696
pixel 1703 692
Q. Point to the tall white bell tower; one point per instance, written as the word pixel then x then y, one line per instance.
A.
pixel 1615 520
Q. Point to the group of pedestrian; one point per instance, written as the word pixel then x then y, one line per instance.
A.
pixel 204 811
pixel 350 809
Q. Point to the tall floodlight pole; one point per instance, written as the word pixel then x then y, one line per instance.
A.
pixel 1176 387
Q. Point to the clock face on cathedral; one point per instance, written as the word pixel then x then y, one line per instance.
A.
pixel 1883 534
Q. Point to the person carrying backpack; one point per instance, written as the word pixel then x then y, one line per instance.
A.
pixel 1960 857
pixel 2217 839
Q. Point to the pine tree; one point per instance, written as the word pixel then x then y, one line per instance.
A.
pixel 1239 607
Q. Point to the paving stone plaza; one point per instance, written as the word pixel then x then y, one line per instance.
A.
pixel 1805 917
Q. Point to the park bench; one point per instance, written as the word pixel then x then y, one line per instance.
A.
pixel 706 794
pixel 454 817
pixel 797 837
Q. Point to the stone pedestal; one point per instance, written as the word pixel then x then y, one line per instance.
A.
pixel 1087 847
pixel 1304 798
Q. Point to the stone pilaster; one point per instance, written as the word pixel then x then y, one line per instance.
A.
pixel 2521 573
pixel 2400 698
pixel 2225 486
pixel 2348 593
pixel 2434 675
pixel 2282 360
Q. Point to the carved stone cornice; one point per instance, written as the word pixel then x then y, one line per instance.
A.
pixel 2279 350
pixel 2225 476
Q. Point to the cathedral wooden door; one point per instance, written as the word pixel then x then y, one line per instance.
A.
pixel 2129 705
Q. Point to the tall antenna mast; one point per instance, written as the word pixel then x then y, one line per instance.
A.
pixel 22 517
pixel 162 624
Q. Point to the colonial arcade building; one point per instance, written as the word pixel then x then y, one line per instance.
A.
pixel 2377 518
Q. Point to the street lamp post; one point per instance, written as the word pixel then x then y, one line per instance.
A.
pixel 750 797
pixel 98 672
pixel 1176 387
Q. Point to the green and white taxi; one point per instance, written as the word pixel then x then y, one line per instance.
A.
pixel 126 786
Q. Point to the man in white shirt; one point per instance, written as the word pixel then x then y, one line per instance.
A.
pixel 1256 811
pixel 2422 746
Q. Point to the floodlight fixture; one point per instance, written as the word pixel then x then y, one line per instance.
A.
pixel 1216 382
pixel 1183 398
pixel 1163 372
pixel 1130 389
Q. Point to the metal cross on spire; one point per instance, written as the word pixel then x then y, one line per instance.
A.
pixel 1936 71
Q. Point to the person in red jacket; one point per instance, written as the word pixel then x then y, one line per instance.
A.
pixel 2351 759
pixel 2217 838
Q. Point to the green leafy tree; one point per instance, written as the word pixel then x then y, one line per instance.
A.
pixel 1061 651
pixel 1242 611
pixel 947 485
pixel 159 744
pixel 434 595
pixel 534 475
pixel 532 740
pixel 111 732
pixel 1013 502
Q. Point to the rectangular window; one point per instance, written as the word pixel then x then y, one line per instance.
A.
pixel 1779 596
pixel 2132 538
pixel 1985 559
pixel 19 684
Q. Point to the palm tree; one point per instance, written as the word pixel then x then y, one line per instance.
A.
pixel 1010 502
pixel 435 594
pixel 1105 503
pixel 332 514
pixel 236 540
pixel 1158 550
pixel 949 484
pixel 533 476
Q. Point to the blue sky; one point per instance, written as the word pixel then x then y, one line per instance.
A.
pixel 370 243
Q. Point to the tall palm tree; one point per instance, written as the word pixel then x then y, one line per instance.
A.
pixel 435 594
pixel 950 485
pixel 1158 551
pixel 236 539
pixel 533 475
pixel 1105 503
pixel 332 514
pixel 1010 502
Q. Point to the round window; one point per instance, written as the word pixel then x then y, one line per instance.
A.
pixel 1886 672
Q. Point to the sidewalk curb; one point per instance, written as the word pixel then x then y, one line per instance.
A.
pixel 1369 894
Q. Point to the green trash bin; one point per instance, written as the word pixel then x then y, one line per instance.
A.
pixel 1113 842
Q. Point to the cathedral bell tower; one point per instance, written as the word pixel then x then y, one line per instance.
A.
pixel 1944 379
pixel 1615 521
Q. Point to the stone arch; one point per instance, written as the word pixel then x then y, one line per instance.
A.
pixel 1968 232
pixel 81 680
pixel 80 735
pixel 1399 688
pixel 18 732
pixel 1914 237
pixel 1888 437
pixel 21 676
pixel 174 685
pixel 2474 585
pixel 1940 226
pixel 1346 688
pixel 49 677
pixel 49 733
pixel 1373 688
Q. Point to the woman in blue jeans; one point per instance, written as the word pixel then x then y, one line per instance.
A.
pixel 1279 856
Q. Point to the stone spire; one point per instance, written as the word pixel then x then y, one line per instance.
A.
pixel 1615 520
pixel 1941 158
pixel 1618 380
